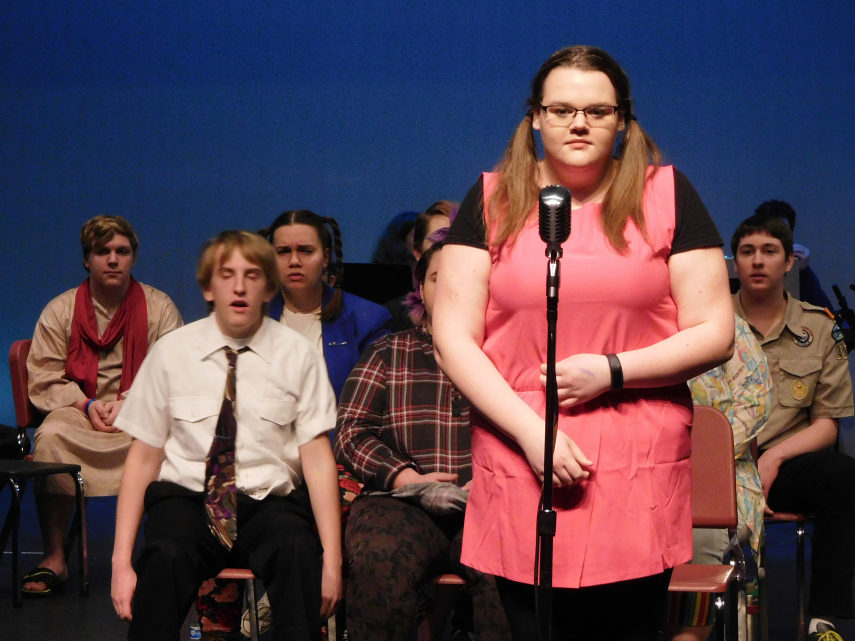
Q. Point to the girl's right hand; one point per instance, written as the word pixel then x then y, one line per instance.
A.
pixel 569 463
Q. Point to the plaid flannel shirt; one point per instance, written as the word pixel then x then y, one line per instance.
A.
pixel 399 410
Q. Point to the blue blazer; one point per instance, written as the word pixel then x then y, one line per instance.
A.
pixel 346 336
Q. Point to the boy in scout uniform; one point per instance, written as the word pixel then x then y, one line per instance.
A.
pixel 799 470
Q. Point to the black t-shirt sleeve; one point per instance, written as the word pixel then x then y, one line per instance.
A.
pixel 468 227
pixel 693 227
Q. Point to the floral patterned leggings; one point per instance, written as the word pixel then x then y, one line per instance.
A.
pixel 392 550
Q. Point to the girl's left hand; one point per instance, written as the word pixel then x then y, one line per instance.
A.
pixel 580 378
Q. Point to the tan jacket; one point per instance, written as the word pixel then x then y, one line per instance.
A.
pixel 810 370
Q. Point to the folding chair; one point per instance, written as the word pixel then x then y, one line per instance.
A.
pixel 14 474
pixel 714 506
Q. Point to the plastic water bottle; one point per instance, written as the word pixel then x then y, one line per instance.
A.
pixel 195 627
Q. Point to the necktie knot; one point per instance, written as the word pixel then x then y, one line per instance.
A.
pixel 231 356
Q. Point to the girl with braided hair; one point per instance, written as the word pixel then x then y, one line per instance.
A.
pixel 311 301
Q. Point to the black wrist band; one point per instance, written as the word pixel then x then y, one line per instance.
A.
pixel 616 370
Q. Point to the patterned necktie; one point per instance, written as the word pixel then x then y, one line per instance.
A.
pixel 221 493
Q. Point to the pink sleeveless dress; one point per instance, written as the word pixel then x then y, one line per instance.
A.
pixel 632 517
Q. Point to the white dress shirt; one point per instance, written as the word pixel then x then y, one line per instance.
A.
pixel 284 399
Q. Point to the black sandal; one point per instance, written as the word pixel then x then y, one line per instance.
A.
pixel 41 575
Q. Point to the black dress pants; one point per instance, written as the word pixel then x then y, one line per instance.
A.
pixel 276 540
pixel 823 484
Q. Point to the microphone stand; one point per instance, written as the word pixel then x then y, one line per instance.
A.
pixel 546 517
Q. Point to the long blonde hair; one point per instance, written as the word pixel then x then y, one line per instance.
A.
pixel 518 186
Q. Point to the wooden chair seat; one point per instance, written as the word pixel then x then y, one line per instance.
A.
pixel 701 578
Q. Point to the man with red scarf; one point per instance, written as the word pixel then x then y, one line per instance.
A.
pixel 88 344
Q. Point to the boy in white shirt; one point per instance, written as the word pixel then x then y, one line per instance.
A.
pixel 280 406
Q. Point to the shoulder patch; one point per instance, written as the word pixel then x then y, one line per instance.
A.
pixel 837 333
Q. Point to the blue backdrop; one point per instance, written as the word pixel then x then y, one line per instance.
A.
pixel 190 117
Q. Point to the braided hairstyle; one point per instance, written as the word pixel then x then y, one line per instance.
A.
pixel 329 234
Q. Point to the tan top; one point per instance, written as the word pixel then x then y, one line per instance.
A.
pixel 49 388
pixel 308 325
pixel 810 370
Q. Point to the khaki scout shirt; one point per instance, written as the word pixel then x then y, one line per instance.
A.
pixel 810 370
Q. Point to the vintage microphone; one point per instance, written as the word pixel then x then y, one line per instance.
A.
pixel 553 218
pixel 554 227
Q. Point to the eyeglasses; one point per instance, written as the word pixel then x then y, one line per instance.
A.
pixel 563 115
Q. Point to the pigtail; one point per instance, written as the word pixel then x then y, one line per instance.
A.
pixel 517 187
pixel 335 271
pixel 625 197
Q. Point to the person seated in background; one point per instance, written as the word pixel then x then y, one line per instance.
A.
pixel 231 459
pixel 308 249
pixel 340 325
pixel 741 389
pixel 403 430
pixel 810 291
pixel 395 245
pixel 437 216
pixel 799 469
pixel 88 344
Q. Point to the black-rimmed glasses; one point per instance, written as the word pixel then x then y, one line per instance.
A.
pixel 564 115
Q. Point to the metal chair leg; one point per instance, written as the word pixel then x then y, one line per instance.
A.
pixel 719 617
pixel 801 585
pixel 15 516
pixel 737 597
pixel 801 535
pixel 253 609
pixel 762 595
pixel 83 544
pixel 736 628
pixel 77 535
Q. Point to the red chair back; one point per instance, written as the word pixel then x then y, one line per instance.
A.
pixel 713 470
pixel 26 414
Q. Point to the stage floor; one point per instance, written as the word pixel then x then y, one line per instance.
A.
pixel 66 616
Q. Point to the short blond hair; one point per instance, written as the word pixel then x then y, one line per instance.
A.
pixel 254 248
pixel 98 231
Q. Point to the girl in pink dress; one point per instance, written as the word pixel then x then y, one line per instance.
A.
pixel 644 305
